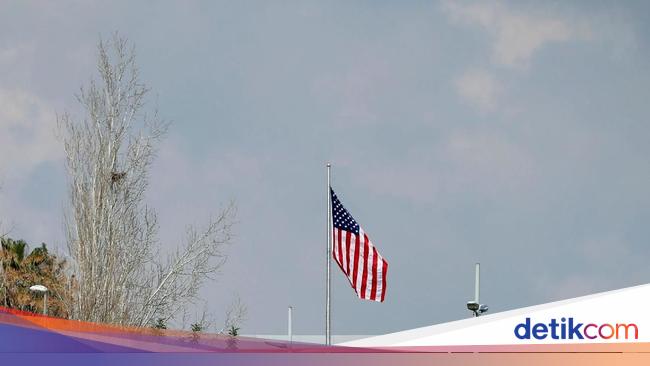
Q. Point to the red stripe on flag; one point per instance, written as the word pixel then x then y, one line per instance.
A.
pixel 338 244
pixel 347 255
pixel 373 289
pixel 340 253
pixel 347 247
pixel 337 247
pixel 355 270
pixel 333 248
pixel 364 277
pixel 384 269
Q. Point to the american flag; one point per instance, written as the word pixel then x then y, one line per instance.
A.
pixel 359 260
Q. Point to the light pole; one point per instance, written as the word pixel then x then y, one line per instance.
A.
pixel 475 305
pixel 43 289
pixel 290 325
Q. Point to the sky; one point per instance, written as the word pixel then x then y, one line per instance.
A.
pixel 514 134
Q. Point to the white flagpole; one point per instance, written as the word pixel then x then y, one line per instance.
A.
pixel 328 336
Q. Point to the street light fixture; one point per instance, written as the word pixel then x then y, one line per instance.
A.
pixel 43 289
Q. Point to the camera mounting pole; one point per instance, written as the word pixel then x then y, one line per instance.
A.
pixel 477 283
pixel 475 305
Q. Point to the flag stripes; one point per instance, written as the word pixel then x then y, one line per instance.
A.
pixel 356 256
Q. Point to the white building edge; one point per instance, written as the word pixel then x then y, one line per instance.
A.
pixel 609 312
pixel 625 311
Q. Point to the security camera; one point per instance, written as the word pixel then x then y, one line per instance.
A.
pixel 473 306
pixel 476 308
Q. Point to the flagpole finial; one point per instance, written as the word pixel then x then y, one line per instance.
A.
pixel 329 165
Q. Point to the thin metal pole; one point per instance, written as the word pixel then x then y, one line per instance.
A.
pixel 328 336
pixel 477 283
pixel 45 303
pixel 289 325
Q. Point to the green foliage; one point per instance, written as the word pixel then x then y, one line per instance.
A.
pixel 197 327
pixel 14 252
pixel 39 255
pixel 19 271
pixel 160 324
pixel 233 331
pixel 231 342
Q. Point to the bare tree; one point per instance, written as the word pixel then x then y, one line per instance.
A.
pixel 202 322
pixel 111 232
pixel 235 317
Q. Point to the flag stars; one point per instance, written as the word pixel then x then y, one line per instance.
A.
pixel 341 217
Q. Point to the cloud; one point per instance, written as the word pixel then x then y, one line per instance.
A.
pixel 479 88
pixel 355 93
pixel 28 147
pixel 27 138
pixel 17 60
pixel 187 190
pixel 489 158
pixel 516 35
pixel 464 165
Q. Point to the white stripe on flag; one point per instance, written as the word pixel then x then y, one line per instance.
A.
pixel 380 264
pixel 352 263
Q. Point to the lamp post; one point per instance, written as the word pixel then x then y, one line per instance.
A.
pixel 475 305
pixel 290 325
pixel 43 289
